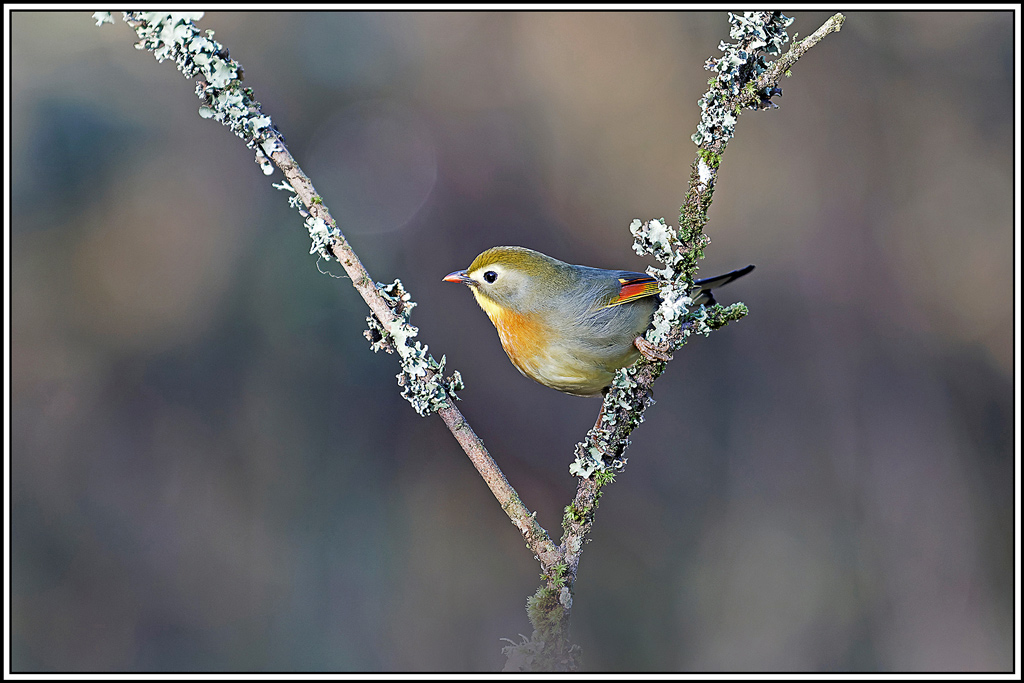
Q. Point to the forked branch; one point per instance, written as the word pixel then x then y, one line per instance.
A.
pixel 744 80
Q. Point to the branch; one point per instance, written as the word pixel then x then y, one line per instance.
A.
pixel 174 36
pixel 744 80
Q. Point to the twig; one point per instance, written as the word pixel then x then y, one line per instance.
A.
pixel 780 66
pixel 536 537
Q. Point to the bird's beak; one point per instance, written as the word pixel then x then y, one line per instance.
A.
pixel 458 276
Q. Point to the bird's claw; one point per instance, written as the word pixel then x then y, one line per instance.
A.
pixel 652 352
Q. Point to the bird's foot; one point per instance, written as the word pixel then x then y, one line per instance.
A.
pixel 653 352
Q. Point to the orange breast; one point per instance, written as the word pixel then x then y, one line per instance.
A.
pixel 574 369
pixel 523 339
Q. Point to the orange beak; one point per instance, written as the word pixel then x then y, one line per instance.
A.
pixel 458 276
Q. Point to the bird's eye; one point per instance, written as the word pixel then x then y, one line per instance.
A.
pixel 490 276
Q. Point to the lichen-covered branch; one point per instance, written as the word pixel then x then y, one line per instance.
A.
pixel 173 35
pixel 768 80
pixel 744 79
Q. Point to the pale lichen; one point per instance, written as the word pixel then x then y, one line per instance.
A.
pixel 602 450
pixel 657 239
pixel 421 376
pixel 322 234
pixel 704 172
pixel 740 64
pixel 174 35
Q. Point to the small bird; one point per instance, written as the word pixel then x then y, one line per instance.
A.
pixel 569 327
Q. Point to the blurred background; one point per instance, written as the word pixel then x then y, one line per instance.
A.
pixel 210 471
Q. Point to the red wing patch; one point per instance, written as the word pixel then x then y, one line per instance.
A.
pixel 635 288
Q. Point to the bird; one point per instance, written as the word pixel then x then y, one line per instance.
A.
pixel 565 326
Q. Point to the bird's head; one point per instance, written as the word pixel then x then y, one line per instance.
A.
pixel 513 279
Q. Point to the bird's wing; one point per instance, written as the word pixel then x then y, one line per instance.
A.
pixel 633 286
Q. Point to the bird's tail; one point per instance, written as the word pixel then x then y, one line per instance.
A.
pixel 701 292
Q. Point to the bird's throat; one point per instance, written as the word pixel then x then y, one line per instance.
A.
pixel 493 310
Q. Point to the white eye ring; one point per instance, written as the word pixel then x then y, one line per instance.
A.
pixel 490 276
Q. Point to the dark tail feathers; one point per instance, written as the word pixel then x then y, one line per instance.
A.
pixel 701 292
